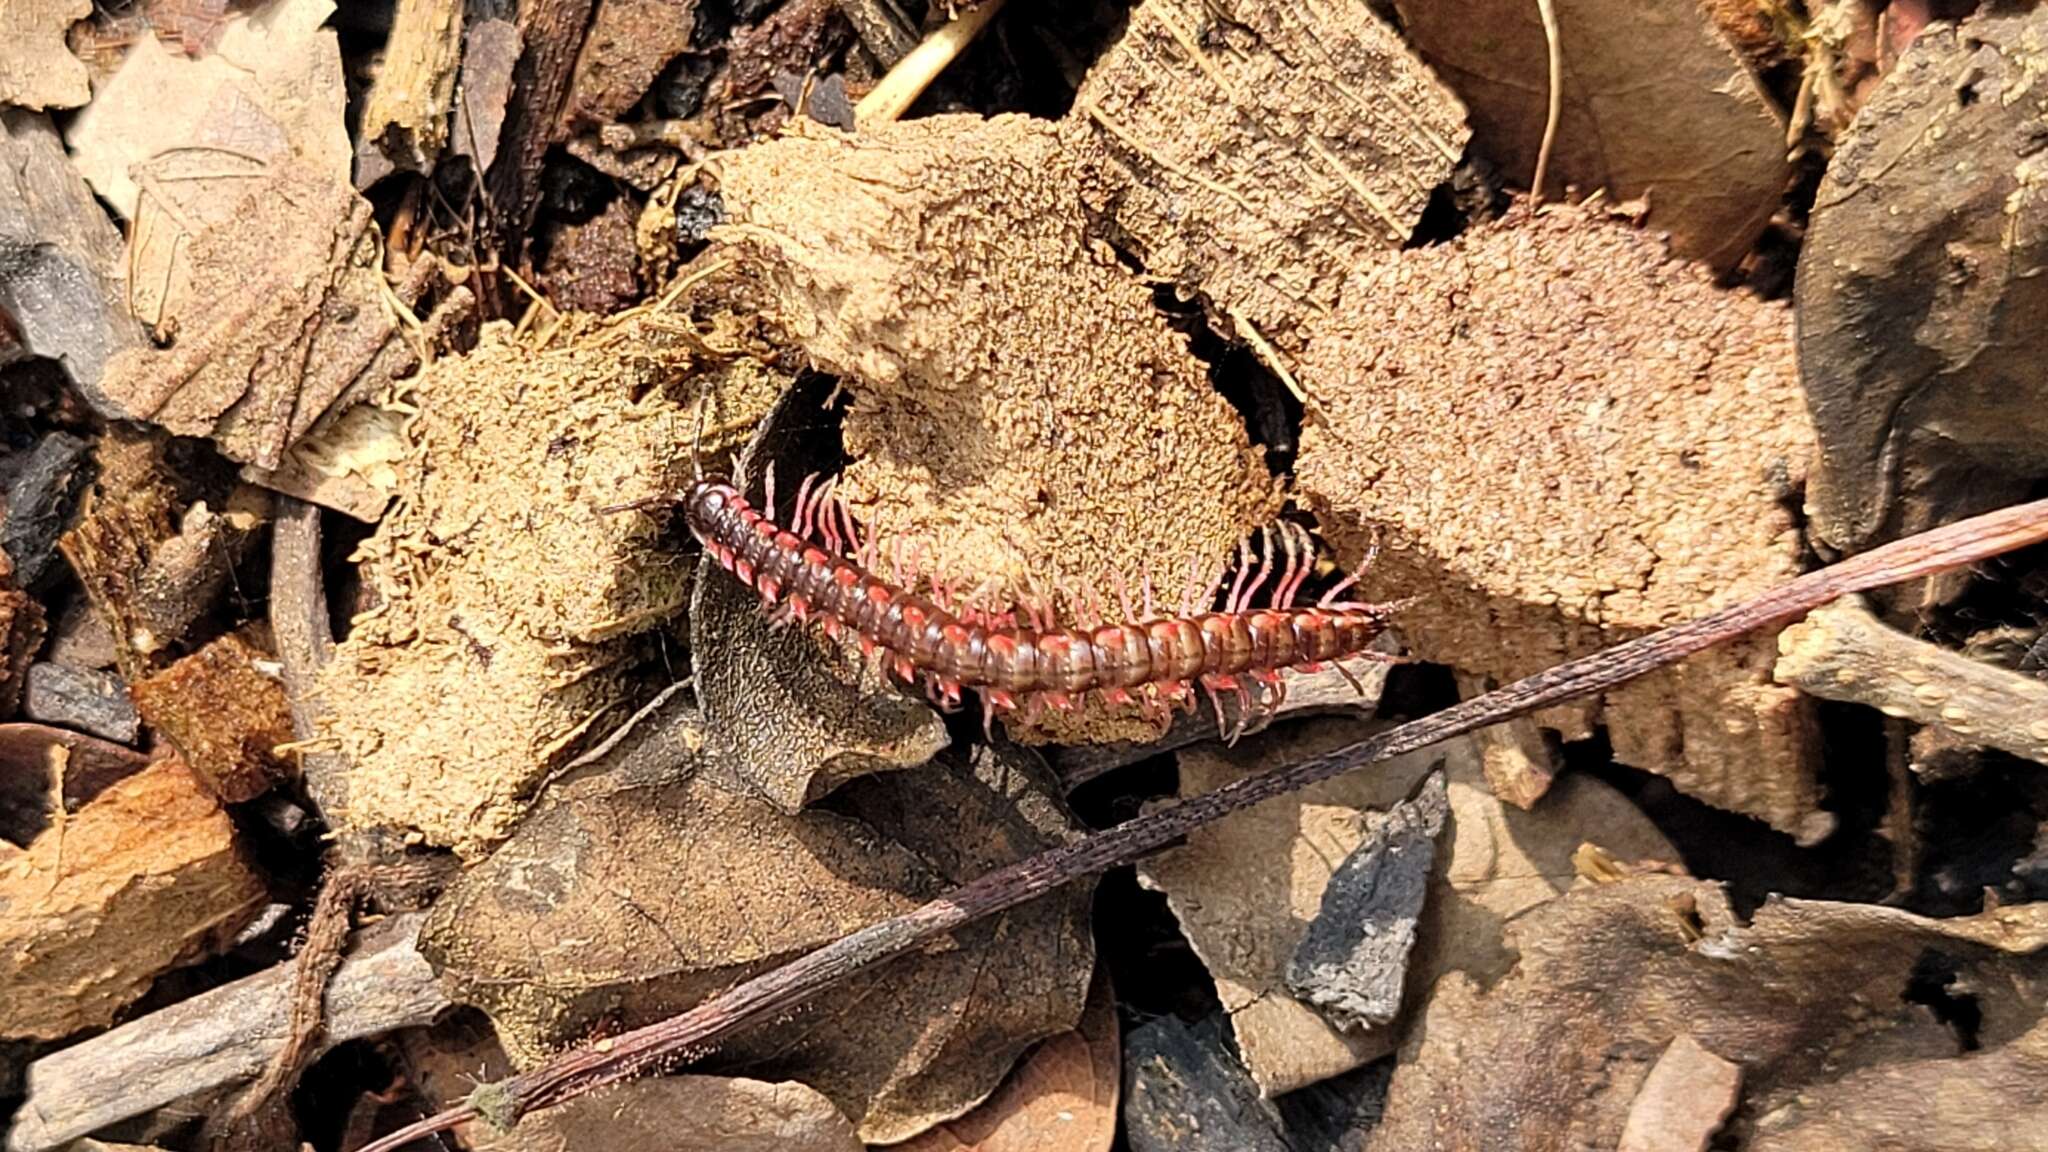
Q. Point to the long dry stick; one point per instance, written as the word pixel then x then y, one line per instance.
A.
pixel 680 1037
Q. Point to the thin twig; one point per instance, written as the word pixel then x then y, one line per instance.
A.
pixel 904 83
pixel 1554 48
pixel 684 1036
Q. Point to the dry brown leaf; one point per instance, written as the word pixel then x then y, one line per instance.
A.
pixel 614 905
pixel 143 878
pixel 686 1114
pixel 1254 150
pixel 1657 105
pixel 1060 1098
pixel 37 70
pixel 508 600
pixel 1246 888
pixel 1568 439
pixel 1022 415
pixel 1921 291
pixel 1816 1001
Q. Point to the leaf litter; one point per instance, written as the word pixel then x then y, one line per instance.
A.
pixel 1056 339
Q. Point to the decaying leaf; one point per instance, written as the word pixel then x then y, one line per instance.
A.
pixel 1818 1002
pixel 686 1114
pixel 348 462
pixel 36 70
pixel 615 905
pixel 790 715
pixel 1656 105
pixel 1246 889
pixel 1023 418
pixel 490 49
pixel 1062 1097
pixel 1568 439
pixel 143 878
pixel 1254 150
pixel 508 599
pixel 1922 292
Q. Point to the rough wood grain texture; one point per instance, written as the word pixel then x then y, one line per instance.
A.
pixel 629 43
pixel 36 70
pixel 1023 418
pixel 405 117
pixel 1521 758
pixel 1656 104
pixel 1185 1092
pixel 1253 151
pixel 1923 288
pixel 507 600
pixel 220 1037
pixel 62 290
pixel 551 32
pixel 21 635
pixel 142 879
pixel 224 714
pixel 30 758
pixel 1566 438
pixel 1843 652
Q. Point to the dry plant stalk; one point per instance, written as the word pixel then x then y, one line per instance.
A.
pixel 691 1034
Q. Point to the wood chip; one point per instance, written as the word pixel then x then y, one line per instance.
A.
pixel 37 71
pixel 1683 1102
pixel 225 715
pixel 146 877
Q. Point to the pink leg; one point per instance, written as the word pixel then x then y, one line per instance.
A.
pixel 1244 564
pixel 768 509
pixel 1263 572
pixel 1330 598
pixel 1123 593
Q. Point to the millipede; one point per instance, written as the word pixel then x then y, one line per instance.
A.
pixel 821 567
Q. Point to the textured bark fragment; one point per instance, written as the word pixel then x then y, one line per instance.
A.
pixel 1685 1098
pixel 1822 1005
pixel 1923 288
pixel 508 600
pixel 1569 439
pixel 1253 151
pixel 1656 105
pixel 21 634
pixel 1184 1092
pixel 1023 418
pixel 405 117
pixel 144 878
pixel 225 715
pixel 629 43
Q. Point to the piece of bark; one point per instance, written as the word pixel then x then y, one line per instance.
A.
pixel 63 293
pixel 221 1037
pixel 627 46
pixel 1338 1114
pixel 1655 105
pixel 34 757
pixel 405 116
pixel 1352 961
pixel 1921 289
pixel 21 635
pixel 1521 758
pixel 1246 889
pixel 510 603
pixel 1185 1092
pixel 1253 151
pixel 225 714
pixel 1557 1047
pixel 1642 477
pixel 39 503
pixel 593 265
pixel 144 878
pixel 37 70
pixel 687 1114
pixel 80 638
pixel 490 50
pixel 1843 652
pixel 92 702
pixel 1683 1102
pixel 882 29
pixel 984 423
pixel 551 37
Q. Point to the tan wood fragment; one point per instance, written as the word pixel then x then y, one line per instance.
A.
pixel 1685 1098
pixel 1255 150
pixel 220 1037
pixel 1843 652
pixel 405 119
pixel 142 879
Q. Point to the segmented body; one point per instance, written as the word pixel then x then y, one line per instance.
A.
pixel 1158 658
